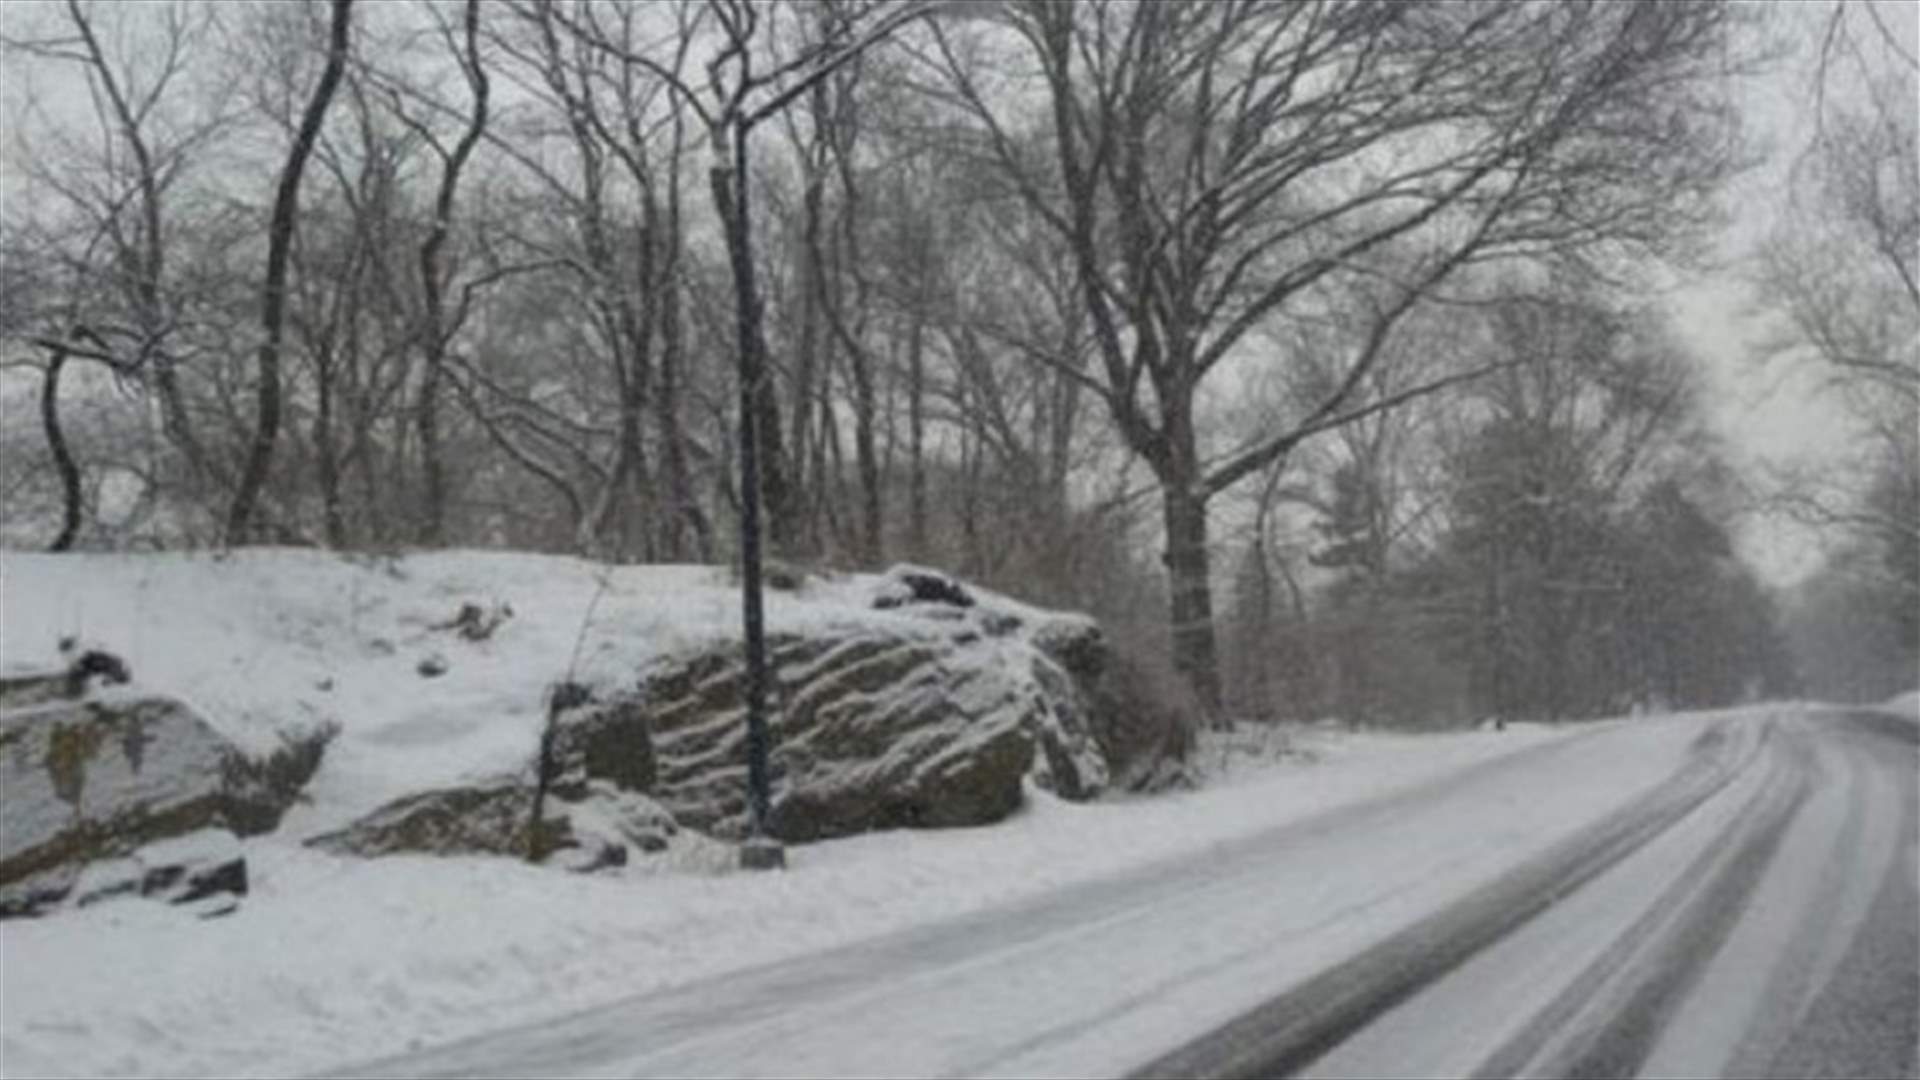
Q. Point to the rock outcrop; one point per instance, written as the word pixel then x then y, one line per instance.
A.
pixel 870 729
pixel 104 775
pixel 930 709
pixel 929 718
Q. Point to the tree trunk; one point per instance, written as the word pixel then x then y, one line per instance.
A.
pixel 1190 591
pixel 685 516
pixel 1175 458
pixel 70 496
pixel 814 280
pixel 326 455
pixel 433 515
pixel 286 209
pixel 1498 674
pixel 427 408
pixel 1310 694
pixel 917 436
pixel 636 506
pixel 370 524
pixel 866 459
pixel 775 478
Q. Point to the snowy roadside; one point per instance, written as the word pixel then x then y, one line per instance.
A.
pixel 333 960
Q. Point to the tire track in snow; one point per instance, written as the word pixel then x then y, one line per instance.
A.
pixel 1864 1019
pixel 1605 1024
pixel 1286 1033
pixel 1801 919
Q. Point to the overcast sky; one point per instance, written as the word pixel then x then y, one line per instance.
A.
pixel 1770 414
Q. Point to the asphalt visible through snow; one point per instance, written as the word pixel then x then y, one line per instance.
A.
pixel 1703 896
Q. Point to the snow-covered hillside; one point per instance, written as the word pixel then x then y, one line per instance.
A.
pixel 260 642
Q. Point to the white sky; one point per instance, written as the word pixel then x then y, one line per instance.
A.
pixel 1770 414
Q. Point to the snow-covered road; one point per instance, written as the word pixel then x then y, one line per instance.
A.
pixel 1708 895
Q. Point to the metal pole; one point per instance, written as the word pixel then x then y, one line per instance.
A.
pixel 760 851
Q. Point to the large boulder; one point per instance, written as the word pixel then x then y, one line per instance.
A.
pixel 106 774
pixel 903 722
pixel 1115 717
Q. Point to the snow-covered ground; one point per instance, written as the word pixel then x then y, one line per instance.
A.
pixel 333 960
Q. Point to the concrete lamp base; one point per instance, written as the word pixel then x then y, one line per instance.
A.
pixel 763 853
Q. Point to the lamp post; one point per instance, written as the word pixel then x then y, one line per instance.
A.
pixel 728 128
pixel 728 177
pixel 729 120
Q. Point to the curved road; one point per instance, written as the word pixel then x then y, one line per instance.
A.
pixel 1729 895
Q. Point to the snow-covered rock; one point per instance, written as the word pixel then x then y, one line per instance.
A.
pixel 924 723
pixel 206 868
pixel 113 772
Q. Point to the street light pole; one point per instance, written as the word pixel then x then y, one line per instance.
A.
pixel 729 179
pixel 728 129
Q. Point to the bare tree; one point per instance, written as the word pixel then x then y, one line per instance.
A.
pixel 353 320
pixel 1843 269
pixel 438 325
pixel 109 227
pixel 273 301
pixel 1214 167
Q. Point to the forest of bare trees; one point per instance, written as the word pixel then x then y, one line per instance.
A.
pixel 1310 343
